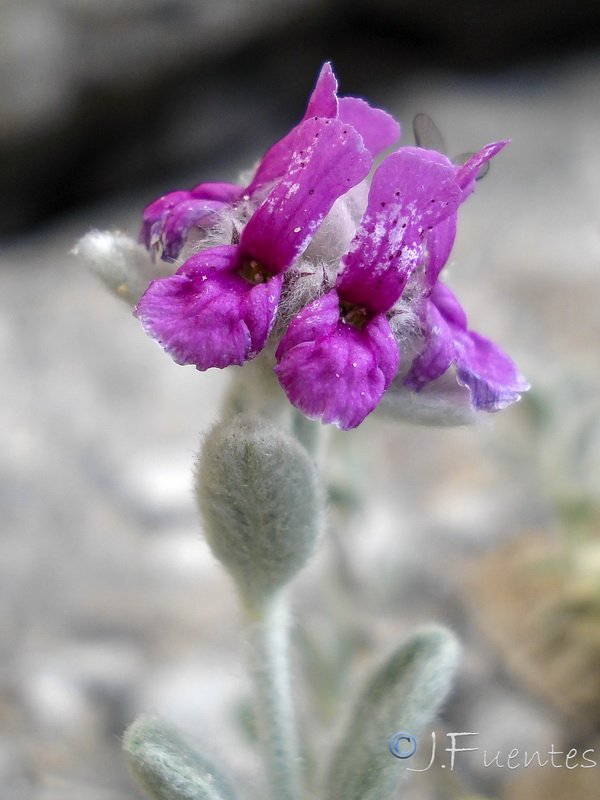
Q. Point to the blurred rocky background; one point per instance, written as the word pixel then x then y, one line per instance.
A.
pixel 109 602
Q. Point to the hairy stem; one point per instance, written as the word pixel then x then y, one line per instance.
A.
pixel 267 627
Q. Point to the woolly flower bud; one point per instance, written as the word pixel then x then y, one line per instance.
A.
pixel 259 493
pixel 124 266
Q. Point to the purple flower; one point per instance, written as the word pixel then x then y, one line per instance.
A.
pixel 168 221
pixel 363 296
pixel 441 239
pixel 490 375
pixel 339 354
pixel 377 128
pixel 220 305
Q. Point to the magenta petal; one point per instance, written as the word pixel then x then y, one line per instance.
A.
pixel 328 159
pixel 448 305
pixel 341 374
pixel 186 215
pixel 274 163
pixel 442 317
pixel 438 351
pixel 314 320
pixel 206 314
pixel 439 243
pixel 410 193
pixel 225 192
pixel 155 215
pixel 424 188
pixel 384 347
pixel 469 170
pixel 323 101
pixel 489 374
pixel 259 309
pixel 169 219
pixel 440 240
pixel 379 130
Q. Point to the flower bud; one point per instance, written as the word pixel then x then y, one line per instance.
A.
pixel 124 266
pixel 259 494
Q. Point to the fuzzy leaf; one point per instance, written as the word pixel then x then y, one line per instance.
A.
pixel 167 766
pixel 402 694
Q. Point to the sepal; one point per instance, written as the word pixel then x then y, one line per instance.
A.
pixel 123 265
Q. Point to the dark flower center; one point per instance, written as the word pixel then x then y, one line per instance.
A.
pixel 253 271
pixel 354 315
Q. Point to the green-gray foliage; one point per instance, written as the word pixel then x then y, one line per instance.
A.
pixel 403 694
pixel 167 766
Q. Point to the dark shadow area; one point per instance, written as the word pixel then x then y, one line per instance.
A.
pixel 146 126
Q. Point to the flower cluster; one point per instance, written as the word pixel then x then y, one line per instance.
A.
pixel 338 282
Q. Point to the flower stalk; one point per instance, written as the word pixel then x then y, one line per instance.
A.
pixel 267 631
pixel 260 497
